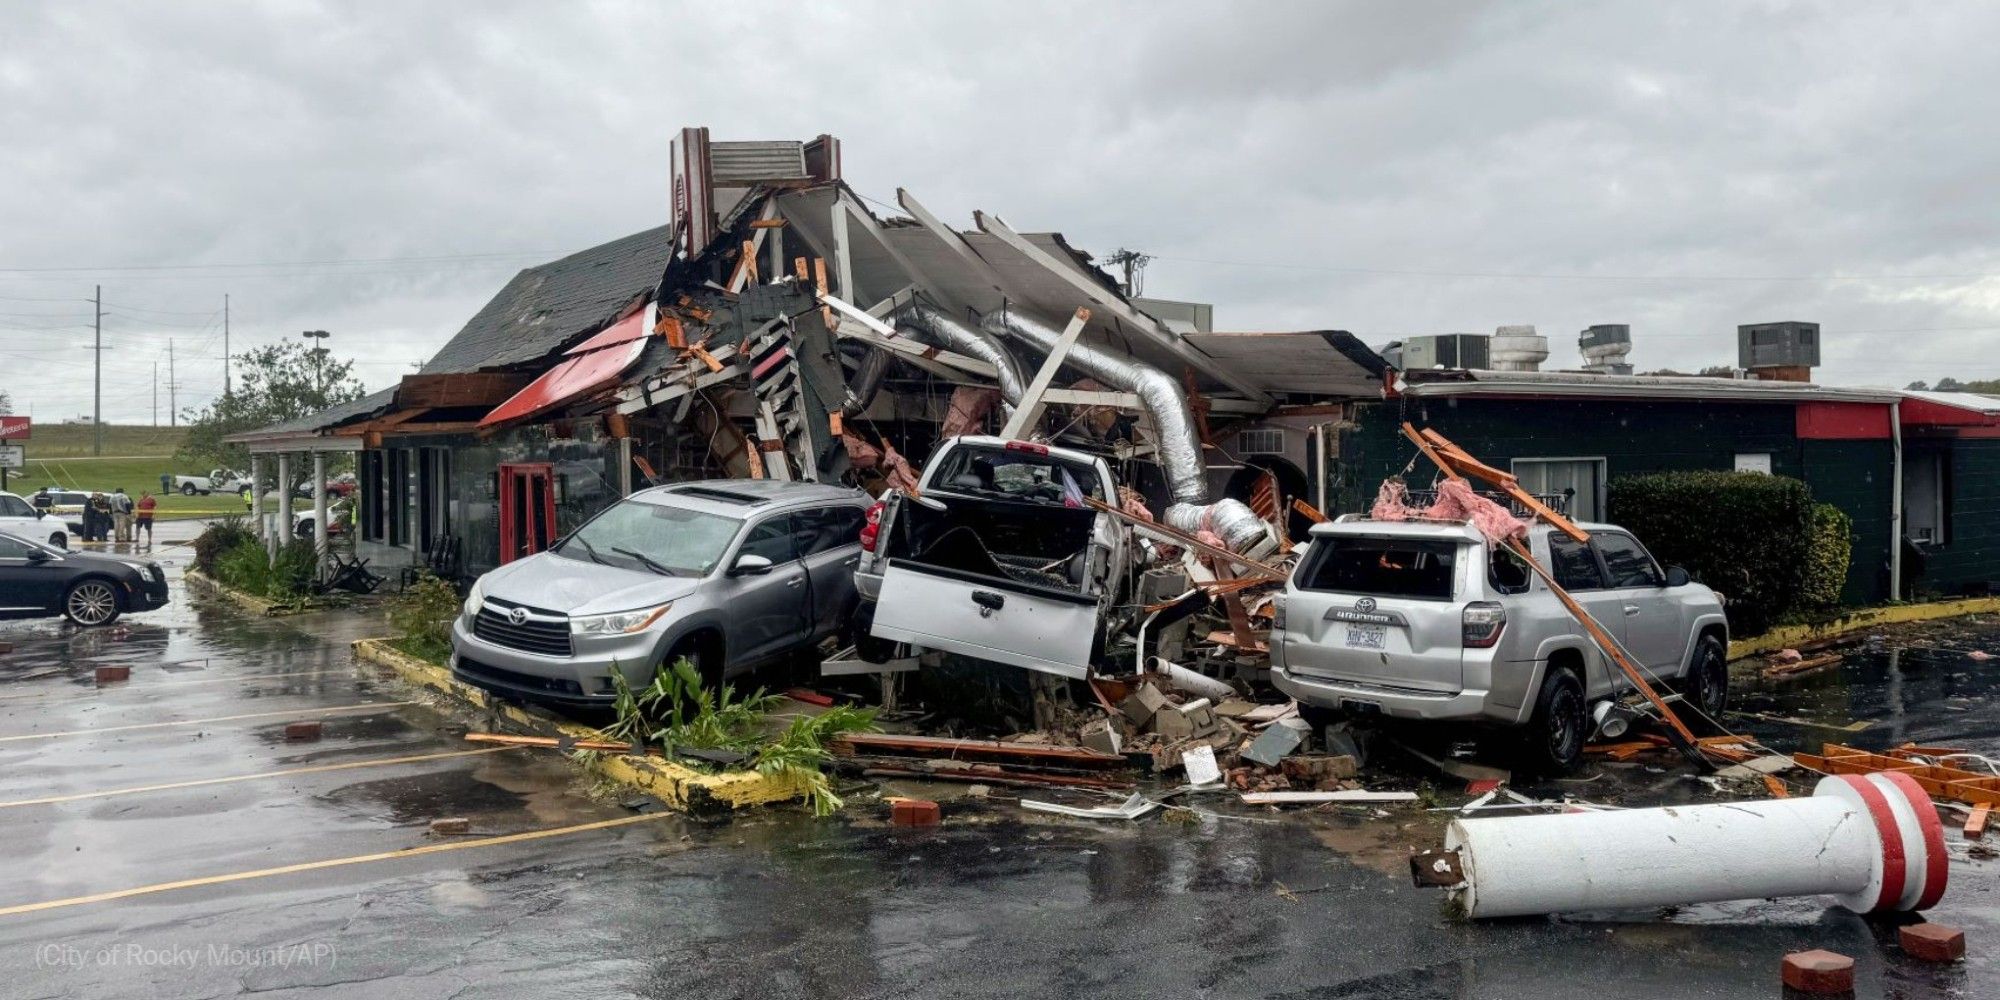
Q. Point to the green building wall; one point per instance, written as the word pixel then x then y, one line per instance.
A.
pixel 1633 436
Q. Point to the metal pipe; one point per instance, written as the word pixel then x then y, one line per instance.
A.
pixel 1896 503
pixel 1165 403
pixel 934 326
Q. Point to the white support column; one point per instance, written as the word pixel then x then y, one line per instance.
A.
pixel 285 496
pixel 1030 408
pixel 257 494
pixel 322 529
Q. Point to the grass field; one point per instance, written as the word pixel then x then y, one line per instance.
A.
pixel 134 458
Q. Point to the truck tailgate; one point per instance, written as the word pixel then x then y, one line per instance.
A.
pixel 1006 621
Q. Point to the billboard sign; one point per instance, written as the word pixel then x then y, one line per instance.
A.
pixel 15 428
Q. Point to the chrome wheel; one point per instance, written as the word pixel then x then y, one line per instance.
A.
pixel 91 602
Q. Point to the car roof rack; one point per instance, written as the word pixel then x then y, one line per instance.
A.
pixel 727 496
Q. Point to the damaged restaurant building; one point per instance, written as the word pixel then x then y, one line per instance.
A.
pixel 778 327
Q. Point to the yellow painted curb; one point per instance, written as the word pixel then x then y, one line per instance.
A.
pixel 1893 614
pixel 678 786
pixel 249 602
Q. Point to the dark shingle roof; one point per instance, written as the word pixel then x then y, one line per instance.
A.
pixel 544 307
pixel 538 312
pixel 339 413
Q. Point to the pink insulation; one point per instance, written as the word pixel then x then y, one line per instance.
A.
pixel 1456 501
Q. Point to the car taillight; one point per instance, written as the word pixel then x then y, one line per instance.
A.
pixel 1481 623
pixel 1278 613
pixel 1028 446
pixel 871 526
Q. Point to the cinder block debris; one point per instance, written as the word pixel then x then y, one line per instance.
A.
pixel 1932 942
pixel 1819 971
pixel 113 675
pixel 451 826
pixel 914 812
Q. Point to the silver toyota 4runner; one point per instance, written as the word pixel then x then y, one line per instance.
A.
pixel 1423 621
pixel 728 573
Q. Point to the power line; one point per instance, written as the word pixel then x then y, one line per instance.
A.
pixel 1561 276
pixel 277 263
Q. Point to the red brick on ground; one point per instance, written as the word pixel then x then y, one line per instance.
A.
pixel 112 675
pixel 1932 942
pixel 914 812
pixel 1819 971
pixel 451 825
pixel 302 731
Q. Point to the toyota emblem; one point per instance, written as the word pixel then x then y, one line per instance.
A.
pixel 1365 605
pixel 519 616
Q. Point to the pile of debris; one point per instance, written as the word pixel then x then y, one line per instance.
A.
pixel 1219 739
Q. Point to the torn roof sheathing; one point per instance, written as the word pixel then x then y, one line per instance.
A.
pixel 1320 362
pixel 979 271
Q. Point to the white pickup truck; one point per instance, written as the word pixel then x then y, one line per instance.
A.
pixel 998 558
pixel 217 481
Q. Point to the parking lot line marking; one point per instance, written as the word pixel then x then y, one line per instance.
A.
pixel 198 782
pixel 408 852
pixel 295 713
pixel 80 692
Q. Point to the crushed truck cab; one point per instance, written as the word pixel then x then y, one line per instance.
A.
pixel 997 557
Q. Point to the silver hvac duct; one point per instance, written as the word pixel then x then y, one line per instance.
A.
pixel 1173 426
pixel 868 378
pixel 936 327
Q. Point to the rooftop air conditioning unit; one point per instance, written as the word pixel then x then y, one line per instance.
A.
pixel 1604 348
pixel 1519 349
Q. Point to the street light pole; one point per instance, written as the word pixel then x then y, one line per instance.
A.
pixel 319 357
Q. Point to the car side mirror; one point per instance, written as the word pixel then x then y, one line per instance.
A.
pixel 1677 577
pixel 38 556
pixel 750 564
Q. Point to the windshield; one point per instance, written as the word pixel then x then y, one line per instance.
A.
pixel 1019 474
pixel 653 538
pixel 1382 567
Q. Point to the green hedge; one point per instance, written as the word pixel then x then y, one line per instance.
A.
pixel 1746 534
pixel 1827 558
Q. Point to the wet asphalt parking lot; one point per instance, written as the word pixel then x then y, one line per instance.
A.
pixel 162 838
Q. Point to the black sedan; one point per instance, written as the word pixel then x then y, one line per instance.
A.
pixel 37 581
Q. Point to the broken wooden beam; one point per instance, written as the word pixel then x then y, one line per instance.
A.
pixel 859 744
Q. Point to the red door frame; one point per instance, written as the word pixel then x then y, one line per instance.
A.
pixel 516 540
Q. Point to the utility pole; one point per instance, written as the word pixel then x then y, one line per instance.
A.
pixel 156 394
pixel 225 346
pixel 97 377
pixel 173 401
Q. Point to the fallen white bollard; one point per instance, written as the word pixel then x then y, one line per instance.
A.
pixel 1872 841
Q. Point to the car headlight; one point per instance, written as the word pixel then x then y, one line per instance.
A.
pixel 622 623
pixel 475 598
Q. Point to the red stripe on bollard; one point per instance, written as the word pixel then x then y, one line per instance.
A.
pixel 1894 861
pixel 1937 866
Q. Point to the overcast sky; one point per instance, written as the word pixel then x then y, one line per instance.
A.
pixel 1386 168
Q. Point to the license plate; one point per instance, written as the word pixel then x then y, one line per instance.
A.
pixel 1366 636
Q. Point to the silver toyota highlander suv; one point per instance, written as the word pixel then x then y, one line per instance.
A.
pixel 1421 620
pixel 730 574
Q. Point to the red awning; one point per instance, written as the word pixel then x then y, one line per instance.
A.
pixel 586 368
pixel 626 330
